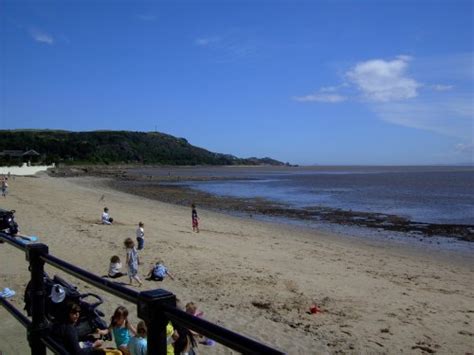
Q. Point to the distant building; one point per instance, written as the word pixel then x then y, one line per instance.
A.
pixel 20 155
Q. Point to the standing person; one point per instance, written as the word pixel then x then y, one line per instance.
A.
pixel 106 219
pixel 4 186
pixel 195 218
pixel 138 344
pixel 140 236
pixel 121 329
pixel 132 261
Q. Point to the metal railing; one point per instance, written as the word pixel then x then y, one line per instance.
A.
pixel 156 307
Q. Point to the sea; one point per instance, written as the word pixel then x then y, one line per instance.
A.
pixel 426 194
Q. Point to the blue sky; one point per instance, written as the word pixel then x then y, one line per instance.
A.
pixel 308 82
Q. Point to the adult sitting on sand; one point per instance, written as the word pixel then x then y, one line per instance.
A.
pixel 106 219
pixel 65 333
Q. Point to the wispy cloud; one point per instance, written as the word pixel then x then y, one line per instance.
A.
pixel 382 81
pixel 397 97
pixel 441 87
pixel 451 116
pixel 321 97
pixel 206 41
pixel 146 17
pixel 41 36
pixel 235 44
pixel 465 148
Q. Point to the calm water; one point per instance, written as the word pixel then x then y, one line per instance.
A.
pixel 423 194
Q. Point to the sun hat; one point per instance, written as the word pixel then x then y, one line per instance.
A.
pixel 57 294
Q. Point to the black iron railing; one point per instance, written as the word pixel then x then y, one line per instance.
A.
pixel 155 307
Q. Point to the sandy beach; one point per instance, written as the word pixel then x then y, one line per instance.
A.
pixel 255 278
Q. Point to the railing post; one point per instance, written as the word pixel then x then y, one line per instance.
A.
pixel 150 310
pixel 38 317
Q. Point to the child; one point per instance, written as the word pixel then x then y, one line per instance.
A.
pixel 191 308
pixel 114 268
pixel 4 186
pixel 138 344
pixel 121 329
pixel 195 218
pixel 132 261
pixel 140 235
pixel 158 272
pixel 106 219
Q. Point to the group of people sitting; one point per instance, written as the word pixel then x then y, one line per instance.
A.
pixel 129 339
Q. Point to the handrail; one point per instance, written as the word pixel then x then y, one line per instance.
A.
pixel 24 321
pixel 155 307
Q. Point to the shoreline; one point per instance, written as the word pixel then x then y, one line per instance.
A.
pixel 160 187
pixel 255 278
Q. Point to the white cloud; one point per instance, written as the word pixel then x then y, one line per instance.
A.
pixel 321 97
pixel 451 116
pixel 206 41
pixel 41 36
pixel 383 81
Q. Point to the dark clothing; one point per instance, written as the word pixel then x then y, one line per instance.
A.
pixel 66 335
pixel 184 341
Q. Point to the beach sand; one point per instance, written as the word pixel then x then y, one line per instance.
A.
pixel 255 278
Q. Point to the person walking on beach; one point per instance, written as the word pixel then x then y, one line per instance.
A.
pixel 140 236
pixel 195 218
pixel 132 261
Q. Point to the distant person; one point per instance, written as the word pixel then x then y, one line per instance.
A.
pixel 138 344
pixel 158 272
pixel 121 329
pixel 132 261
pixel 140 236
pixel 106 219
pixel 4 186
pixel 195 218
pixel 65 332
pixel 114 268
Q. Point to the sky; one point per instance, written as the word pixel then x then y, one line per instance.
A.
pixel 337 82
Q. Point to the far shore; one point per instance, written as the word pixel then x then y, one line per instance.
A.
pixel 256 278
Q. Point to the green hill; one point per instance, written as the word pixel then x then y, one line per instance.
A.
pixel 116 147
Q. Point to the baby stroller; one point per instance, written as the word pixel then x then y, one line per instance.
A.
pixel 60 292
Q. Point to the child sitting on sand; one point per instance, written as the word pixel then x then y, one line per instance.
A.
pixel 106 219
pixel 114 268
pixel 158 272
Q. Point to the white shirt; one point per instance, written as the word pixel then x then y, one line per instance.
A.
pixel 140 233
pixel 114 268
pixel 105 218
